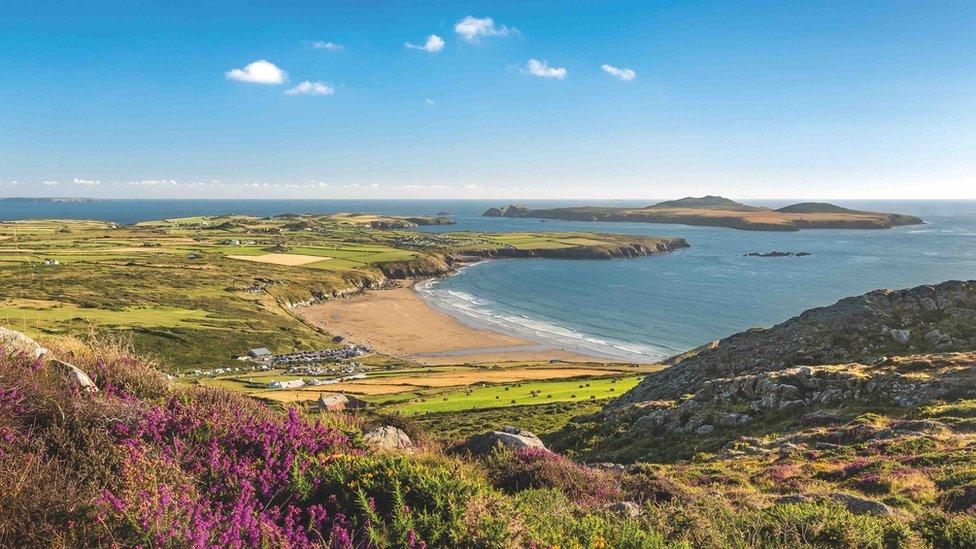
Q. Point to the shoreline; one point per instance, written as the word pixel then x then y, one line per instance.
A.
pixel 399 322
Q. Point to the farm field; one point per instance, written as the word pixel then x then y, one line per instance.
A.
pixel 519 394
pixel 442 390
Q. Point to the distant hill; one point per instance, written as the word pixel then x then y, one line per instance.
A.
pixel 709 202
pixel 41 200
pixel 815 207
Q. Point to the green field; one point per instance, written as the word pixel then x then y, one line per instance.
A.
pixel 518 394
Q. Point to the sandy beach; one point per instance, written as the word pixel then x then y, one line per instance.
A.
pixel 398 322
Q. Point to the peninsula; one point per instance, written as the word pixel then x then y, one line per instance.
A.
pixel 716 211
pixel 236 282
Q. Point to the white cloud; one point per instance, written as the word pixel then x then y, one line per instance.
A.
pixel 311 88
pixel 433 44
pixel 543 70
pixel 430 101
pixel 258 72
pixel 323 45
pixel 624 74
pixel 472 28
pixel 89 182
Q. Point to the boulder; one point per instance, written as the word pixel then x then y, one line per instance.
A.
pixel 627 509
pixel 862 506
pixel 387 437
pixel 12 341
pixel 508 437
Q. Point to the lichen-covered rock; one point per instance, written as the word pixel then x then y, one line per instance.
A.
pixel 387 437
pixel 902 381
pixel 12 341
pixel 627 509
pixel 508 437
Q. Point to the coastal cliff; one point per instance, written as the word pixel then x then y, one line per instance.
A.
pixel 716 211
pixel 924 319
pixel 887 350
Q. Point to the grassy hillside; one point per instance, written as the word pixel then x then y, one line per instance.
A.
pixel 143 462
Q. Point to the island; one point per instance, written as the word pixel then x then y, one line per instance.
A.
pixel 717 211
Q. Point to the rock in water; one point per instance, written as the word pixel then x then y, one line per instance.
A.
pixel 388 437
pixel 508 437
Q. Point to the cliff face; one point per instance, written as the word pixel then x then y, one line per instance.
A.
pixel 923 319
pixel 632 247
pixel 410 222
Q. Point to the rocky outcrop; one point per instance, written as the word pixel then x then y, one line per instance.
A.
pixel 727 404
pixel 14 342
pixel 507 437
pixel 924 319
pixel 387 437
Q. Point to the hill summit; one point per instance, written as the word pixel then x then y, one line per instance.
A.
pixel 815 207
pixel 710 202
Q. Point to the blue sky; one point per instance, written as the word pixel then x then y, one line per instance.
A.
pixel 856 99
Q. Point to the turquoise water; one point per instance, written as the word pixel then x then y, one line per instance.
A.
pixel 646 308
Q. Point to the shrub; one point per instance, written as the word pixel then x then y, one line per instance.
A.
pixel 551 520
pixel 819 524
pixel 395 499
pixel 513 471
pixel 947 531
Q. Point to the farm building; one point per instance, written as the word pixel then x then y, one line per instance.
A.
pixel 334 402
pixel 260 352
pixel 293 384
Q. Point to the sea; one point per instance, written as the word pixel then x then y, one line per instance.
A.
pixel 640 309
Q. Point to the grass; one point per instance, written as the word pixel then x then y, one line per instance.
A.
pixel 156 317
pixel 147 462
pixel 519 394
